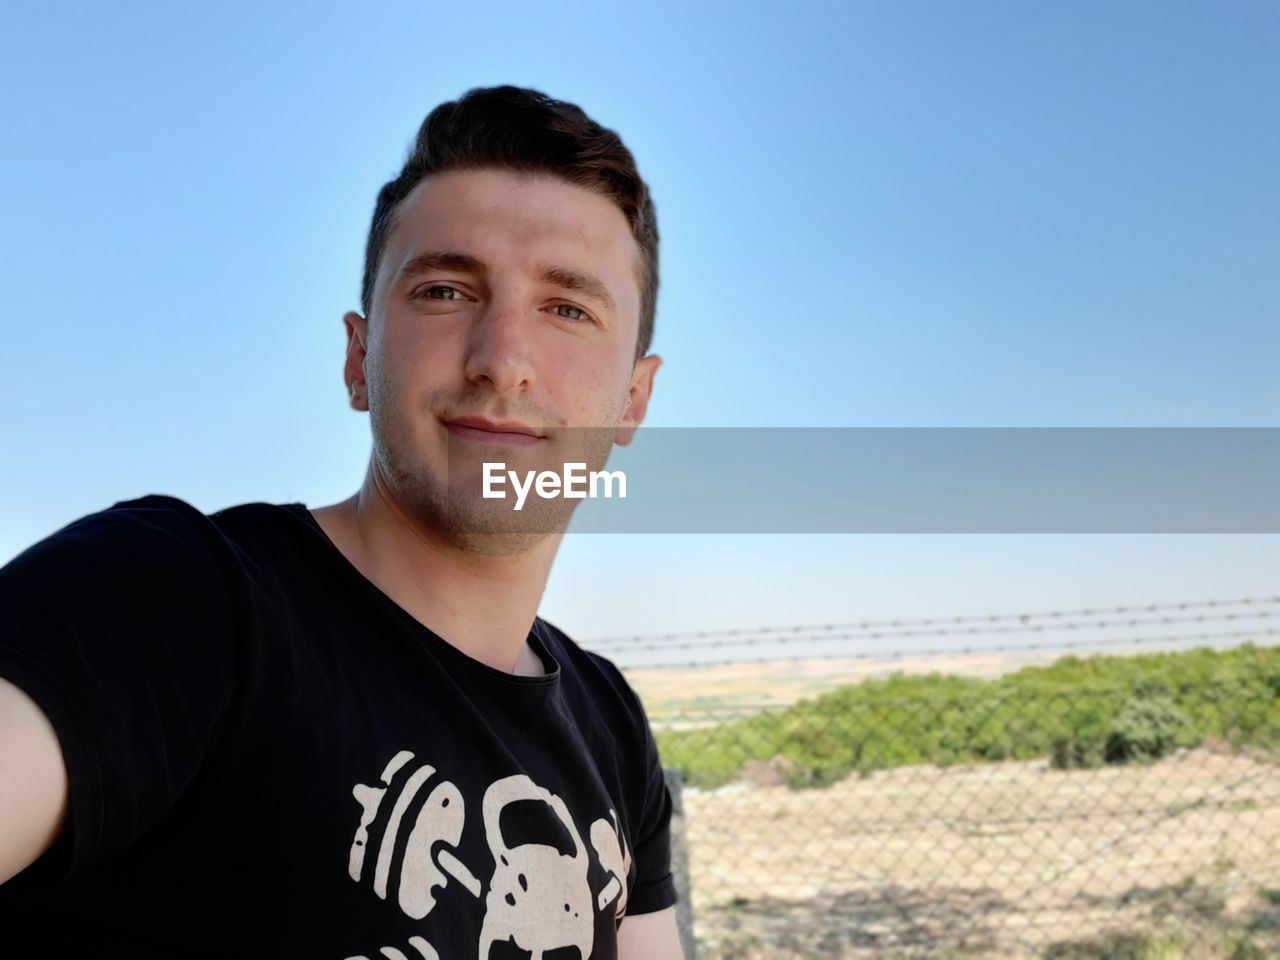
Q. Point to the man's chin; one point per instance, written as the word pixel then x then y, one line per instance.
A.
pixel 494 528
pixel 452 509
pixel 496 544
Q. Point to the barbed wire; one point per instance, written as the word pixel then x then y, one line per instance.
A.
pixel 782 640
pixel 1025 622
pixel 890 655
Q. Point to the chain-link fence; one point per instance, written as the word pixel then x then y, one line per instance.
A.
pixel 1100 808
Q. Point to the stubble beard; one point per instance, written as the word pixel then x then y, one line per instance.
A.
pixel 448 502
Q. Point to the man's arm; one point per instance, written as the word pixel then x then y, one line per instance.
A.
pixel 33 782
pixel 650 936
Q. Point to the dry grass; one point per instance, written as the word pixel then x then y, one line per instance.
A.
pixel 1008 860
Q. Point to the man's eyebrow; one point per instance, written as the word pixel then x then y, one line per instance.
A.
pixel 446 260
pixel 582 283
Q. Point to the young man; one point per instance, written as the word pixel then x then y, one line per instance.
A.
pixel 344 732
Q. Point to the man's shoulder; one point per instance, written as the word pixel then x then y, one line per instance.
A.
pixel 122 533
pixel 240 522
pixel 150 531
pixel 154 512
pixel 163 512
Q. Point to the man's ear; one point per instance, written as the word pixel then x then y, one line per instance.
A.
pixel 353 369
pixel 637 398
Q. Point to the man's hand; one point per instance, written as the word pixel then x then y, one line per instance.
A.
pixel 650 936
pixel 33 782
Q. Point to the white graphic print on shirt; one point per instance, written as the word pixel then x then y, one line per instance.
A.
pixel 611 849
pixel 538 897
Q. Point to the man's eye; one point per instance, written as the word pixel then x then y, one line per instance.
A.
pixel 575 313
pixel 440 292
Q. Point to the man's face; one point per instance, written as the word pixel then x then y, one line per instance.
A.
pixel 503 302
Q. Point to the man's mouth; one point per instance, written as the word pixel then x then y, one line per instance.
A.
pixel 484 430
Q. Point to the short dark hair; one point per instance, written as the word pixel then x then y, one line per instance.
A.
pixel 516 128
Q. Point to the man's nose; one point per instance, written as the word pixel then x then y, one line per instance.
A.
pixel 498 348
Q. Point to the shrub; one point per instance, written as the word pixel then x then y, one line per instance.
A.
pixel 1080 713
pixel 1146 730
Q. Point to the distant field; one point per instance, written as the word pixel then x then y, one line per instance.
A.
pixel 669 689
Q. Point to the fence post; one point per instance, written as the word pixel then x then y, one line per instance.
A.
pixel 680 860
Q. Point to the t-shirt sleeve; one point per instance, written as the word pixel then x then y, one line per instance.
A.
pixel 120 626
pixel 654 885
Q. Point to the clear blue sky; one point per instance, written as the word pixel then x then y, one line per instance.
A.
pixel 873 214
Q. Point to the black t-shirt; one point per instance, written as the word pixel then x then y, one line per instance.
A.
pixel 269 757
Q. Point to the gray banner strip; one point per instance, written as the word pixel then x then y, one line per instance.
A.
pixel 941 480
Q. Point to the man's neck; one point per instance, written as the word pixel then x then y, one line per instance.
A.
pixel 482 605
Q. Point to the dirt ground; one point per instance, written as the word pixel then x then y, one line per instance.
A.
pixel 1180 859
